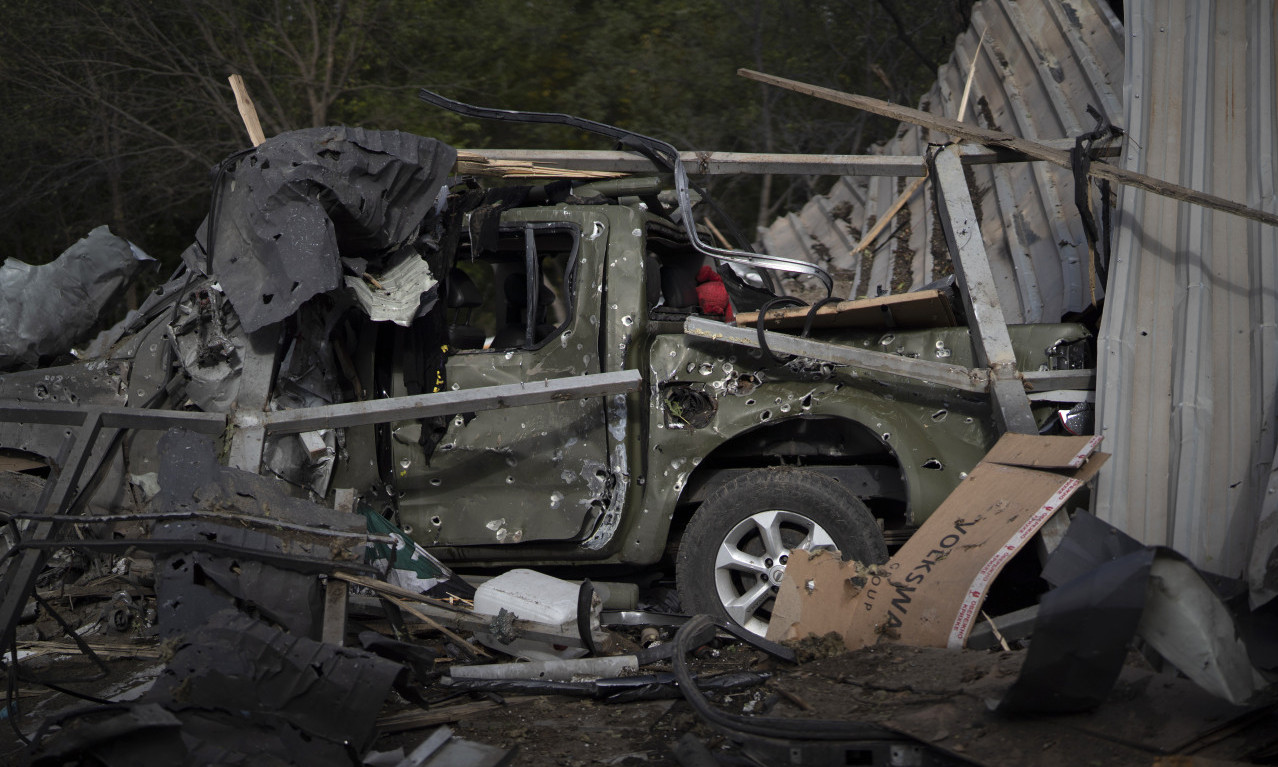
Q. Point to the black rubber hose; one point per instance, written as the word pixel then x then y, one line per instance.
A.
pixel 763 342
pixel 584 596
pixel 807 323
pixel 700 629
pixel 660 153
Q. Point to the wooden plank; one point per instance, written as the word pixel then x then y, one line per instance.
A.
pixel 888 217
pixel 106 649
pixel 1030 148
pixel 248 112
pixel 335 591
pixel 415 719
pixel 468 649
pixel 709 163
pixel 440 614
pixel 334 630
pixel 400 598
pixel 921 309
pixel 18 464
pixel 914 186
pixel 472 164
pixel 914 372
pixel 100 591
pixel 993 344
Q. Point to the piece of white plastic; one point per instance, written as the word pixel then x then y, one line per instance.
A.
pixel 531 596
pixel 551 670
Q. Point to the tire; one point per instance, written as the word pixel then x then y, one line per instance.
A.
pixel 734 550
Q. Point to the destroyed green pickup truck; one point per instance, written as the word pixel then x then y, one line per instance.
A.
pixel 726 456
pixel 343 270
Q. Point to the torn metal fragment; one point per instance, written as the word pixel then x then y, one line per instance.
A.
pixel 45 309
pixel 400 294
pixel 1085 625
pixel 287 212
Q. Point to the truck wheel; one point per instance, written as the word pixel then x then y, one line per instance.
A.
pixel 735 549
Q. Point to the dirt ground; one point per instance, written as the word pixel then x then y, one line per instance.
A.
pixel 937 696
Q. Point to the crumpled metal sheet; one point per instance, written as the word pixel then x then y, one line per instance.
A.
pixel 191 477
pixel 191 585
pixel 404 291
pixel 306 378
pixel 45 309
pixel 236 663
pixel 1110 588
pixel 1187 353
pixel 286 212
pixel 1039 65
pixel 209 343
pixel 196 582
pixel 236 692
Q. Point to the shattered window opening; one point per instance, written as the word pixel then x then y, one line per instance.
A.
pixel 503 305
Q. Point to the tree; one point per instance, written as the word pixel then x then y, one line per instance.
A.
pixel 116 110
pixel 122 108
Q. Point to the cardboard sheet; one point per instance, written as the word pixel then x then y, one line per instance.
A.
pixel 1033 451
pixel 930 593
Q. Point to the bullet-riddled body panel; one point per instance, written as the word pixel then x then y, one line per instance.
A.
pixel 522 474
pixel 625 327
pixel 601 479
pixel 934 439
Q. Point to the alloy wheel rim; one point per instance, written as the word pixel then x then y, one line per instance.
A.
pixel 751 560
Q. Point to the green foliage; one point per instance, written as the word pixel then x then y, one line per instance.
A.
pixel 115 110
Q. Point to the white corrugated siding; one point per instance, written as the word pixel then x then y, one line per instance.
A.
pixel 1187 363
pixel 1043 62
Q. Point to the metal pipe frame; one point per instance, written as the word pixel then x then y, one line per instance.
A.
pixel 442 403
pixel 736 163
pixel 18 580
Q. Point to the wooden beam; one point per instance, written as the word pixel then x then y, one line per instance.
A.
pixel 416 719
pixel 925 373
pixel 335 591
pixel 248 112
pixel 1035 149
pixel 993 345
pixel 917 309
pixel 887 217
pixel 436 613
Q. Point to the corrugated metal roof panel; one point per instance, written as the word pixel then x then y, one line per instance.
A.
pixel 1041 65
pixel 1187 370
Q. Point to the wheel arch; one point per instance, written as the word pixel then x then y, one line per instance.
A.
pixel 835 445
pixel 739 540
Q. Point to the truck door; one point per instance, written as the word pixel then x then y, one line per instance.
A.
pixel 527 311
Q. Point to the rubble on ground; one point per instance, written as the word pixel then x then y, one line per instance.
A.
pixel 214 630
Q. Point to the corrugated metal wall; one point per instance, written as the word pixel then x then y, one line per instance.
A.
pixel 1188 369
pixel 1188 355
pixel 1043 62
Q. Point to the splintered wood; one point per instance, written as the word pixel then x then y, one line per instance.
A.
pixel 921 309
pixel 471 164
